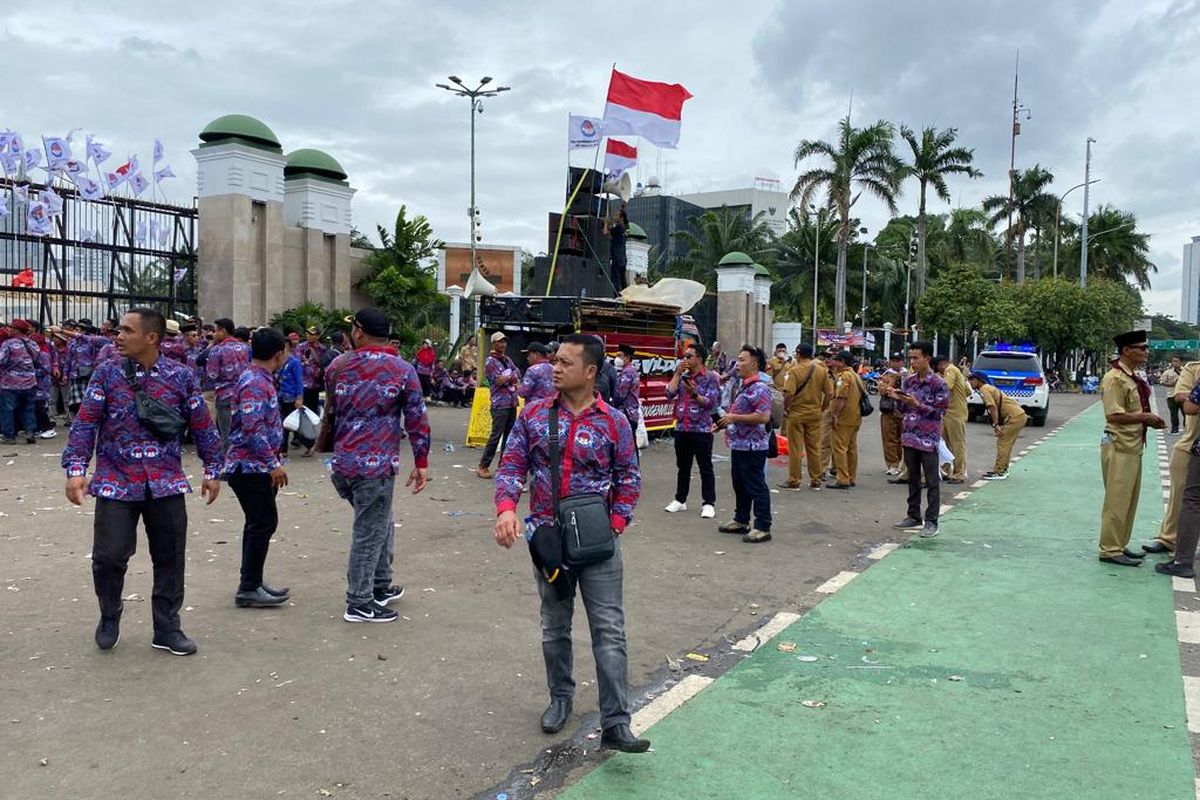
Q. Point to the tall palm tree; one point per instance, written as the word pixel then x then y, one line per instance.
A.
pixel 715 233
pixel 968 240
pixel 792 291
pixel 1029 201
pixel 934 156
pixel 862 160
pixel 1116 250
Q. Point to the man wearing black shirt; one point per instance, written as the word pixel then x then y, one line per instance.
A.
pixel 616 232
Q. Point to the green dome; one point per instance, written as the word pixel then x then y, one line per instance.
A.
pixel 759 269
pixel 310 163
pixel 240 128
pixel 736 259
pixel 635 232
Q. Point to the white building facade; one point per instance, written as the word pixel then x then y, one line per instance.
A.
pixel 1189 311
pixel 772 204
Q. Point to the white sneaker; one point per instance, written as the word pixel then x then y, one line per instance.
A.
pixel 893 471
pixel 707 512
pixel 50 434
pixel 675 506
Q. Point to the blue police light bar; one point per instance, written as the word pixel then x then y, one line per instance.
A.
pixel 1003 347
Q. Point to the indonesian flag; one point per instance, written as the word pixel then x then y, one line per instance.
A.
pixel 619 158
pixel 648 109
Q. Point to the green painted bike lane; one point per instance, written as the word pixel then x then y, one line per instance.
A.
pixel 999 660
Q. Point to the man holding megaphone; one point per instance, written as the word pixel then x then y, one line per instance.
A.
pixel 616 232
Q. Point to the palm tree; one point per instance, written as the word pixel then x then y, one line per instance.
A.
pixel 1116 250
pixel 968 240
pixel 861 160
pixel 1029 201
pixel 792 291
pixel 715 233
pixel 934 157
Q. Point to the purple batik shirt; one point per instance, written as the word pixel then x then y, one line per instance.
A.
pixel 82 357
pixel 538 383
pixel 19 364
pixel 629 387
pixel 131 464
pixel 255 427
pixel 502 366
pixel 310 356
pixel 226 361
pixel 367 389
pixel 753 398
pixel 693 412
pixel 598 456
pixel 175 349
pixel 109 350
pixel 922 427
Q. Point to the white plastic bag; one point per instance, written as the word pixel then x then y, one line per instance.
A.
pixel 641 435
pixel 310 422
pixel 945 457
pixel 292 421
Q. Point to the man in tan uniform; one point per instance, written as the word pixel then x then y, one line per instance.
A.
pixel 954 423
pixel 827 417
pixel 891 420
pixel 1168 378
pixel 847 419
pixel 778 364
pixel 1126 399
pixel 1008 418
pixel 806 394
pixel 1168 531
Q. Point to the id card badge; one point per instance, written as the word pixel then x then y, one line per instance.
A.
pixel 1105 438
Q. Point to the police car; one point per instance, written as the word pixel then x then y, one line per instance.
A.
pixel 1016 371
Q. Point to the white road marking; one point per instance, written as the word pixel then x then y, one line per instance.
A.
pixel 977 484
pixel 1183 584
pixel 837 582
pixel 944 509
pixel 777 623
pixel 962 495
pixel 882 550
pixel 1187 626
pixel 1191 696
pixel 658 708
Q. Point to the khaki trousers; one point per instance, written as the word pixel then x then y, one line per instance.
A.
pixel 804 438
pixel 845 453
pixel 1004 442
pixel 1168 531
pixel 1122 484
pixel 826 440
pixel 954 432
pixel 890 427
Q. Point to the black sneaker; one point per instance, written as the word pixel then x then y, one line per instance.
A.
pixel 385 596
pixel 908 524
pixel 929 531
pixel 108 632
pixel 369 612
pixel 173 642
pixel 1175 569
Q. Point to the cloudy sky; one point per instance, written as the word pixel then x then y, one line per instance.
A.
pixel 357 79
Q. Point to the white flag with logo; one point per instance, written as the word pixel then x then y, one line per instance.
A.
pixel 52 201
pixel 164 173
pixel 584 132
pixel 88 188
pixel 37 220
pixel 158 150
pixel 3 206
pixel 58 152
pixel 139 183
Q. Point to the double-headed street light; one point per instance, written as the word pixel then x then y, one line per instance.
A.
pixel 816 269
pixel 476 96
pixel 1058 216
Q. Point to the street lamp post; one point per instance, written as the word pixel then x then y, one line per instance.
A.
pixel 816 271
pixel 1083 237
pixel 1058 216
pixel 867 247
pixel 476 96
pixel 908 285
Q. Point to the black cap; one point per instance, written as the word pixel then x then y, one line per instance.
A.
pixel 897 356
pixel 626 349
pixel 844 357
pixel 1130 338
pixel 187 327
pixel 373 322
pixel 537 347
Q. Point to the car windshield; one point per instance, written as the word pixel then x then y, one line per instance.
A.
pixel 1010 362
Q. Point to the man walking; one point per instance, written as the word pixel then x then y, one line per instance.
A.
pixel 538 381
pixel 1181 454
pixel 503 377
pixel 81 358
pixel 1008 418
pixel 252 467
pixel 954 424
pixel 227 358
pixel 20 367
pixel 597 452
pixel 696 392
pixel 139 475
pixel 747 428
pixel 846 420
pixel 366 391
pixel 922 398
pixel 1168 378
pixel 807 391
pixel 1126 400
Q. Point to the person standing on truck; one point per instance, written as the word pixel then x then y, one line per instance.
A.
pixel 503 377
pixel 616 233
pixel 696 392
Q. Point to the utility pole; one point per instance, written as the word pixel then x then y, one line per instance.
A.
pixel 816 274
pixel 1017 108
pixel 1083 232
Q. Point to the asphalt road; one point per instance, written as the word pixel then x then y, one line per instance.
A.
pixel 294 702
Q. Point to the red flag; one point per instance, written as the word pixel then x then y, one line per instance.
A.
pixel 619 158
pixel 648 109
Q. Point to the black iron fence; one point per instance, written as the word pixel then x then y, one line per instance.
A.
pixel 100 257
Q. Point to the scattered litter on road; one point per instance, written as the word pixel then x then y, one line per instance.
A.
pixel 787 647
pixel 696 657
pixel 382 657
pixel 807 659
pixel 718 552
pixel 45 762
pixel 813 704
pixel 216 520
pixel 135 597
pixel 429 589
pixel 955 677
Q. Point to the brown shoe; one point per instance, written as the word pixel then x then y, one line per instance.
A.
pixel 734 526
pixel 791 486
pixel 483 472
pixel 757 537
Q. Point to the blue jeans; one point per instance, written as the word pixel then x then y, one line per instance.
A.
pixel 373 541
pixel 601 586
pixel 10 399
pixel 750 488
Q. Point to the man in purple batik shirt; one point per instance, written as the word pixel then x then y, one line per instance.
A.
pixel 629 387
pixel 20 367
pixel 503 378
pixel 696 392
pixel 921 400
pixel 538 383
pixel 367 390
pixel 138 475
pixel 226 360
pixel 746 426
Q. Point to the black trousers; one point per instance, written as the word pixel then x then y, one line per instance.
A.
pixel 919 463
pixel 1173 407
pixel 695 446
pixel 750 487
pixel 503 420
pixel 312 399
pixel 256 496
pixel 114 541
pixel 617 274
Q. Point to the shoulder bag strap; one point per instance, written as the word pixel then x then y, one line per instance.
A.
pixel 555 466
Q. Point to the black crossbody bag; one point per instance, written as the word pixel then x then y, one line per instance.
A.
pixel 581 520
pixel 163 421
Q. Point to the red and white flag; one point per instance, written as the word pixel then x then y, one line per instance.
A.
pixel 648 109
pixel 619 158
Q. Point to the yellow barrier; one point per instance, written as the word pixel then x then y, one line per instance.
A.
pixel 480 426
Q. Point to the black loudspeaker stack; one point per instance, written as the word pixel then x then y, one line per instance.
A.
pixel 583 249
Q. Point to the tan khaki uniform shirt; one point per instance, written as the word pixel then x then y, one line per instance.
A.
pixel 1119 394
pixel 848 386
pixel 1004 405
pixel 1188 375
pixel 811 398
pixel 960 390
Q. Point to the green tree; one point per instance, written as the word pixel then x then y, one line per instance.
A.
pixel 402 276
pixel 1002 317
pixel 1117 250
pixel 934 157
pixel 967 240
pixel 715 233
pixel 792 292
pixel 1030 201
pixel 861 160
pixel 954 302
pixel 309 314
pixel 1112 306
